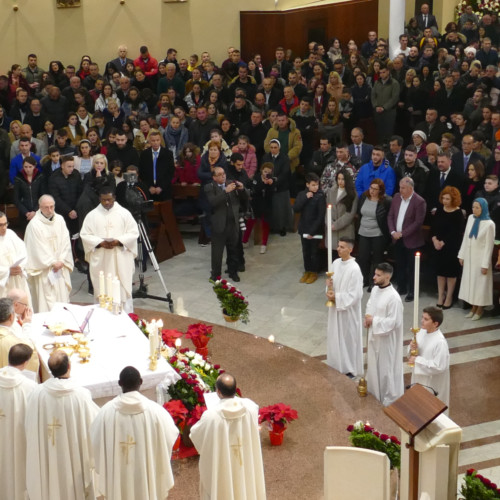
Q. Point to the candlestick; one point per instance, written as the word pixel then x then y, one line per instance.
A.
pixel 116 291
pixel 153 337
pixel 178 343
pixel 102 290
pixel 330 303
pixel 416 292
pixel 109 285
pixel 329 236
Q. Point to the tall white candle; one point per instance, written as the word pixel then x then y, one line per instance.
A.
pixel 116 291
pixel 102 290
pixel 416 292
pixel 109 285
pixel 329 236
pixel 153 337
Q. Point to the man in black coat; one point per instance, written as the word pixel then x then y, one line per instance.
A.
pixel 224 199
pixel 461 160
pixel 256 131
pixel 440 178
pixel 56 107
pixel 432 126
pixel 199 130
pixel 122 151
pixel 156 167
pixel 324 156
pixel 120 63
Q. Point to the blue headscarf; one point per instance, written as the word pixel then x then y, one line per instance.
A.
pixel 485 215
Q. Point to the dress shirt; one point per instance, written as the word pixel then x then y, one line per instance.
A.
pixel 402 212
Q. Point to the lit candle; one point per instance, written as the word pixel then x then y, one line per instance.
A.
pixel 271 339
pixel 416 291
pixel 153 338
pixel 109 285
pixel 178 343
pixel 329 236
pixel 102 290
pixel 116 291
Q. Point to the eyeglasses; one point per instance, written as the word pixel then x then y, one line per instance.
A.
pixel 4 224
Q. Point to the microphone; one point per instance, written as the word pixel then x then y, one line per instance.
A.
pixel 426 386
pixel 74 317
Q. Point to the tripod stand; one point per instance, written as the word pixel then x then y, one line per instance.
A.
pixel 142 291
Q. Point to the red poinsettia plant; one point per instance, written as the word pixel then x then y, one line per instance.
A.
pixel 169 336
pixel 178 411
pixel 278 414
pixel 199 333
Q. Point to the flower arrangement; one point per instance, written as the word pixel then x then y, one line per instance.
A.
pixel 478 487
pixel 141 323
pixel 479 7
pixel 277 415
pixel 231 300
pixel 365 436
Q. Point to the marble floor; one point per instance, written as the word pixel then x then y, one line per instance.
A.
pixel 295 314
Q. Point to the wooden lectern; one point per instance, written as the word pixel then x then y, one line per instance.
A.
pixel 413 412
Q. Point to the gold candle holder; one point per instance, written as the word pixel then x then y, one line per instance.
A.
pixel 109 303
pixel 153 363
pixel 116 309
pixel 362 387
pixel 330 303
pixel 414 352
pixel 84 354
pixel 102 301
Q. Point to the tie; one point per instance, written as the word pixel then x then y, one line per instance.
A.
pixel 155 159
pixel 358 151
pixel 222 186
pixel 441 182
pixel 466 162
pixel 425 21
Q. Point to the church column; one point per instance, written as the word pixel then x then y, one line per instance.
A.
pixel 396 23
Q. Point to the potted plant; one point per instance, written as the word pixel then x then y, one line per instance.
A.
pixel 232 302
pixel 277 416
pixel 200 334
pixel 478 487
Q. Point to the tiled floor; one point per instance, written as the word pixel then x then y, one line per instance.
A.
pixel 295 314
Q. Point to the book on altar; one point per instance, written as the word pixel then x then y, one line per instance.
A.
pixel 211 399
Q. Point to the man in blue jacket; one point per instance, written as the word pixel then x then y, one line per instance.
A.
pixel 377 168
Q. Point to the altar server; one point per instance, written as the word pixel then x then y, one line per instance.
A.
pixel 132 439
pixel 50 260
pixel 432 364
pixel 344 344
pixel 227 439
pixel 13 261
pixel 384 318
pixel 58 417
pixel 14 391
pixel 109 235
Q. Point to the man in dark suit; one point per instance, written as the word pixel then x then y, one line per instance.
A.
pixel 432 127
pixel 120 63
pixel 122 151
pixel 281 63
pixel 156 168
pixel 358 148
pixel 460 161
pixel 426 20
pixel 271 93
pixel 395 153
pixel 440 178
pixel 225 202
pixel 405 219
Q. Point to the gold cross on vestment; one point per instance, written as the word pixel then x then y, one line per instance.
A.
pixel 109 226
pixel 52 430
pixel 237 450
pixel 53 242
pixel 125 446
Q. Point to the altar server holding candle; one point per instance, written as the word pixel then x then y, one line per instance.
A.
pixel 109 235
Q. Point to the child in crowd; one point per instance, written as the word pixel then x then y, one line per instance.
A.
pixel 248 152
pixel 311 204
pixel 262 190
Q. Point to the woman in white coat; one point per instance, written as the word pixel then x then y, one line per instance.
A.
pixel 475 253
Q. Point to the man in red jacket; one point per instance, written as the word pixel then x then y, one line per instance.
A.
pixel 148 64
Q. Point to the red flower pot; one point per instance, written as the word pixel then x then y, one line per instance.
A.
pixel 200 342
pixel 276 434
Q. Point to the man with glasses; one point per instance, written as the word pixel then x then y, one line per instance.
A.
pixel 23 313
pixel 13 261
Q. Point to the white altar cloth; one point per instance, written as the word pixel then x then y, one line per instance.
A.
pixel 115 342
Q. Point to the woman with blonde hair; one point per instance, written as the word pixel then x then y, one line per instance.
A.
pixel 15 130
pixel 334 86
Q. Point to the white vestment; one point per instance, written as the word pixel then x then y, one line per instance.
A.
pixel 344 343
pixel 8 338
pixel 432 365
pixel 13 251
pixel 114 224
pixel 14 391
pixel 132 439
pixel 59 463
pixel 47 242
pixel 385 345
pixel 476 288
pixel 228 441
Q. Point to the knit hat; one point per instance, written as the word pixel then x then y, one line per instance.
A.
pixel 421 134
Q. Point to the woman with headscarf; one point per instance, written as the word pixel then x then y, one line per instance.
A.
pixel 475 253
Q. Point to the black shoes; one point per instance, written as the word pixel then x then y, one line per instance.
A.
pixel 234 277
pixel 81 266
pixel 409 297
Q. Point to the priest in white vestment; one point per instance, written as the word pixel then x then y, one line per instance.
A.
pixel 228 441
pixel 13 261
pixel 432 364
pixel 14 391
pixel 23 313
pixel 109 235
pixel 132 439
pixel 58 418
pixel 384 318
pixel 50 260
pixel 344 341
pixel 8 337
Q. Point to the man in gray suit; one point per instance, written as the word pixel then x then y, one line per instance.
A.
pixel 225 202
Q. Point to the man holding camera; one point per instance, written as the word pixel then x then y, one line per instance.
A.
pixel 225 199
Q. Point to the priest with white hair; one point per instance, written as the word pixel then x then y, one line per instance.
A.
pixel 228 441
pixel 132 439
pixel 50 260
pixel 58 418
pixel 13 261
pixel 15 389
pixel 109 235
pixel 23 313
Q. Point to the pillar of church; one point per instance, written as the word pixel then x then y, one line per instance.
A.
pixel 396 23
